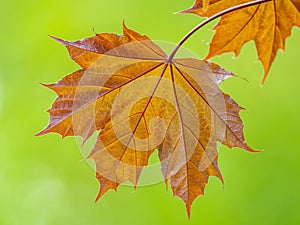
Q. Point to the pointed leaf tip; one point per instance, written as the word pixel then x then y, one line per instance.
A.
pixel 61 41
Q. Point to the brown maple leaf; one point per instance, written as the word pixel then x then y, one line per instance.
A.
pixel 139 100
pixel 268 24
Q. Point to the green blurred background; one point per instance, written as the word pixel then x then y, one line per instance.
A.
pixel 44 180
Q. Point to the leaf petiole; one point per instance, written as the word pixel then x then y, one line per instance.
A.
pixel 208 20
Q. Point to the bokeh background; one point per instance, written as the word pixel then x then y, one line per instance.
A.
pixel 44 180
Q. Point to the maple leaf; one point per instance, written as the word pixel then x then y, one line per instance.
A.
pixel 139 100
pixel 268 24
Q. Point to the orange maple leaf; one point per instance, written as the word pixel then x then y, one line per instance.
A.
pixel 268 24
pixel 139 100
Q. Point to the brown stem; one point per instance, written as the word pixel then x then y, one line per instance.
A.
pixel 208 20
